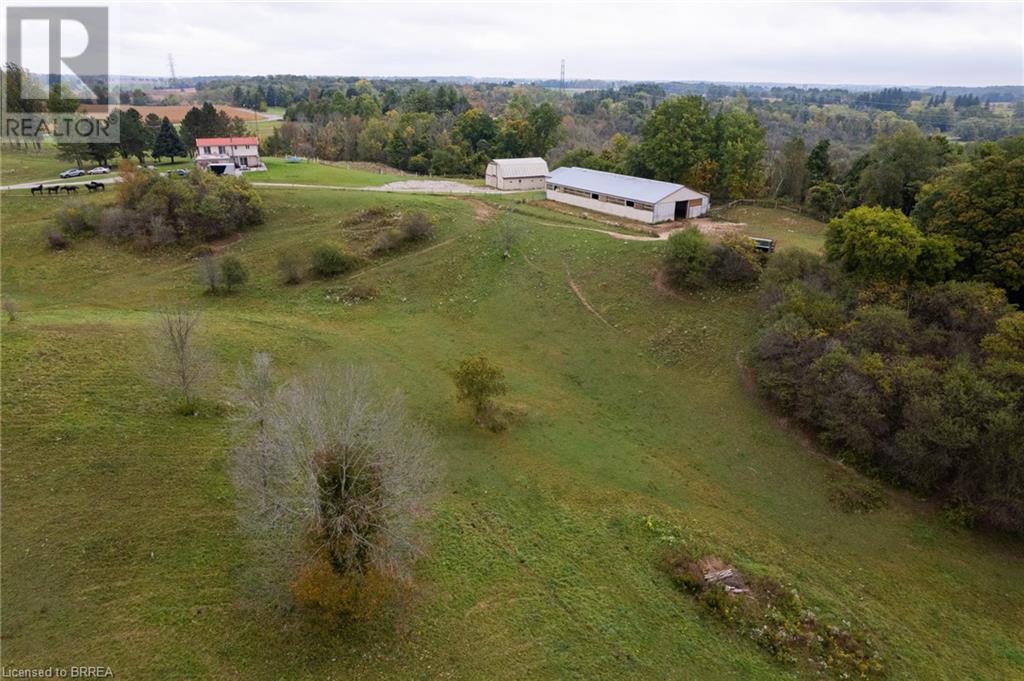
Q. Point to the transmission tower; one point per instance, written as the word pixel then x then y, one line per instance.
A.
pixel 170 63
pixel 561 81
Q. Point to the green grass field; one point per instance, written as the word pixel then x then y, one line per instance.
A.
pixel 309 172
pixel 118 519
pixel 26 166
pixel 789 229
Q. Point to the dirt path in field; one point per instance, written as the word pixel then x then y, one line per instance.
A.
pixel 482 210
pixel 583 299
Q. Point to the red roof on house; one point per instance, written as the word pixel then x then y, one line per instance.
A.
pixel 225 141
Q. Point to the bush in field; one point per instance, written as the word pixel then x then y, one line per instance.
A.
pixel 735 260
pixel 330 261
pixel 117 224
pixel 291 264
pixel 478 382
pixel 335 479
pixel 78 217
pixel 688 259
pixel 232 272
pixel 416 226
pixel 55 239
pixel 922 385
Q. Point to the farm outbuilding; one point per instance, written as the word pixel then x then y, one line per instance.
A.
pixel 516 173
pixel 635 198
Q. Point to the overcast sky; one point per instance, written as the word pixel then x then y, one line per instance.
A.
pixel 848 43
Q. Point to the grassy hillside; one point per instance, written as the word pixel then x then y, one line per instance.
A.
pixel 120 545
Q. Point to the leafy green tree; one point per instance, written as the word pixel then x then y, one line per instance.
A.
pixel 478 382
pixel 793 170
pixel 826 200
pixel 476 128
pixel 544 123
pixel 739 152
pixel 677 140
pixel 898 165
pixel 167 143
pixel 875 243
pixel 980 206
pixel 76 152
pixel 819 167
pixel 232 272
pixel 882 244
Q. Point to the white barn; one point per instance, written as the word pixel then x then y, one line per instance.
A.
pixel 516 173
pixel 635 198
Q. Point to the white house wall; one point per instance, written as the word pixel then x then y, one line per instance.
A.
pixel 521 182
pixel 605 207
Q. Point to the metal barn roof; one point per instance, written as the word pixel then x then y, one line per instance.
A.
pixel 621 186
pixel 521 167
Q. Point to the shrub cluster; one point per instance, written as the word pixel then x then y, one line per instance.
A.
pixel 774 616
pixel 692 262
pixel 411 228
pixel 923 385
pixel 330 261
pixel 155 210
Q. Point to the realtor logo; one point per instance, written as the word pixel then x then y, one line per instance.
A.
pixel 56 59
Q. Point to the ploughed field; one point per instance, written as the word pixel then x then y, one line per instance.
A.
pixel 120 545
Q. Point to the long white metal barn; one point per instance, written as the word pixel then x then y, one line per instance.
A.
pixel 516 173
pixel 635 198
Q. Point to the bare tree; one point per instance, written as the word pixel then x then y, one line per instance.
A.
pixel 254 391
pixel 11 308
pixel 337 480
pixel 179 361
pixel 209 273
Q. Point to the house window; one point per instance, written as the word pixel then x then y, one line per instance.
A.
pixel 595 196
pixel 630 204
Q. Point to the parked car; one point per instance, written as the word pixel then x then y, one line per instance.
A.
pixel 99 170
pixel 180 172
pixel 72 172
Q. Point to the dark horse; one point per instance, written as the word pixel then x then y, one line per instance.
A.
pixel 53 189
pixel 93 186
pixel 69 188
pixel 38 190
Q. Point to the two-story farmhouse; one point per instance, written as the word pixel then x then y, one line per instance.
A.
pixel 228 155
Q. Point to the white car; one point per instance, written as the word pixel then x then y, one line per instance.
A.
pixel 99 170
pixel 72 172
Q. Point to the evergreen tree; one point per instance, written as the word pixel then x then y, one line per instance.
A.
pixel 136 138
pixel 819 167
pixel 167 142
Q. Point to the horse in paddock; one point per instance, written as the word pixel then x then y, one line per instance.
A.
pixel 94 186
pixel 69 188
pixel 37 190
pixel 53 189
